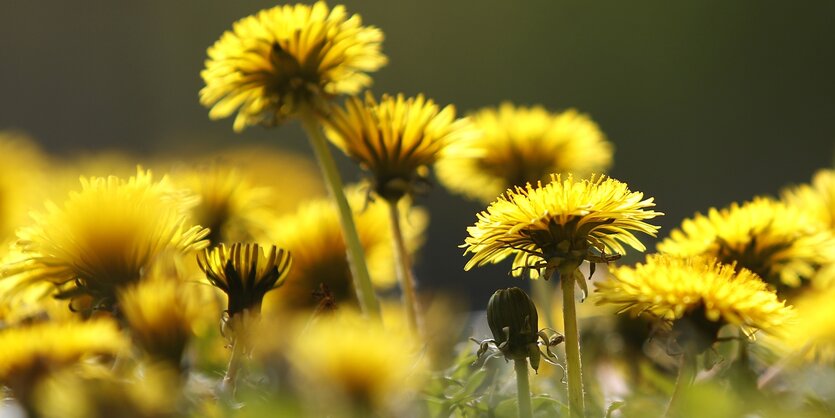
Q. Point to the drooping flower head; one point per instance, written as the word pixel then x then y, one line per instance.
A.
pixel 701 290
pixel 245 273
pixel 817 199
pixel 560 224
pixel 397 138
pixel 525 145
pixel 105 236
pixel 314 236
pixel 272 64
pixel 32 352
pixel 779 243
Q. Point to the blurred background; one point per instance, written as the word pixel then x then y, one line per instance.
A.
pixel 707 102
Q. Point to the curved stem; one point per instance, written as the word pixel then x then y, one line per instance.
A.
pixel 356 255
pixel 523 388
pixel 574 367
pixel 686 374
pixel 404 270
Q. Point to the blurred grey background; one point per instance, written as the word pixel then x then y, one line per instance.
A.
pixel 707 102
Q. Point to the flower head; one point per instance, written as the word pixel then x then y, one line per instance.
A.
pixel 813 334
pixel 559 223
pixel 817 199
pixel 272 64
pixel 525 145
pixel 779 243
pixel 397 138
pixel 32 352
pixel 699 289
pixel 314 236
pixel 105 237
pixel 245 273
pixel 21 180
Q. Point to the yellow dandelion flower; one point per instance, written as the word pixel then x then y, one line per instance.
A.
pixel 230 206
pixel 779 243
pixel 163 315
pixel 559 223
pixel 245 273
pixel 314 236
pixel 31 352
pixel 671 288
pixel 105 236
pixel 355 363
pixel 396 138
pixel 21 180
pixel 525 145
pixel 817 198
pixel 282 59
pixel 813 335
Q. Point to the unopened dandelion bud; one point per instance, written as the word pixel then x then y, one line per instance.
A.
pixel 512 317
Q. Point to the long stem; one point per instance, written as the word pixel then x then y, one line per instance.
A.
pixel 576 403
pixel 404 270
pixel 686 374
pixel 523 388
pixel 230 380
pixel 356 255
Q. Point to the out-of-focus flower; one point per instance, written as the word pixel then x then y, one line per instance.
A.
pixel 813 335
pixel 104 237
pixel 163 314
pixel 314 236
pixel 559 224
pixel 701 290
pixel 32 352
pixel 245 273
pixel 22 168
pixel 779 243
pixel 397 138
pixel 817 198
pixel 525 145
pixel 272 64
pixel 232 208
pixel 356 364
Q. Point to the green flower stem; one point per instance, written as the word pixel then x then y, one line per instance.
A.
pixel 523 388
pixel 574 367
pixel 230 379
pixel 356 255
pixel 686 375
pixel 404 270
pixel 543 291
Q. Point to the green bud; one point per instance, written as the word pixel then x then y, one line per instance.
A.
pixel 512 317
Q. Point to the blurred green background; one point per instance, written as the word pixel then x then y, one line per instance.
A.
pixel 707 102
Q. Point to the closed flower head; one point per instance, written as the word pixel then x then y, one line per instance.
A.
pixel 699 292
pixel 245 273
pixel 105 237
pixel 272 64
pixel 560 224
pixel 397 138
pixel 779 243
pixel 525 145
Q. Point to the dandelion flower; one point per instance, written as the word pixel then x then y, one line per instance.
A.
pixel 105 236
pixel 701 289
pixel 314 236
pixel 31 352
pixel 813 335
pixel 21 180
pixel 273 64
pixel 245 273
pixel 557 225
pixel 356 363
pixel 816 199
pixel 230 206
pixel 525 145
pixel 162 315
pixel 396 138
pixel 779 243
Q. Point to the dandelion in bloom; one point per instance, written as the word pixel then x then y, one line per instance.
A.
pixel 104 238
pixel 817 199
pixel 273 64
pixel 812 337
pixel 700 290
pixel 523 145
pixel 22 180
pixel 313 235
pixel 779 243
pixel 397 138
